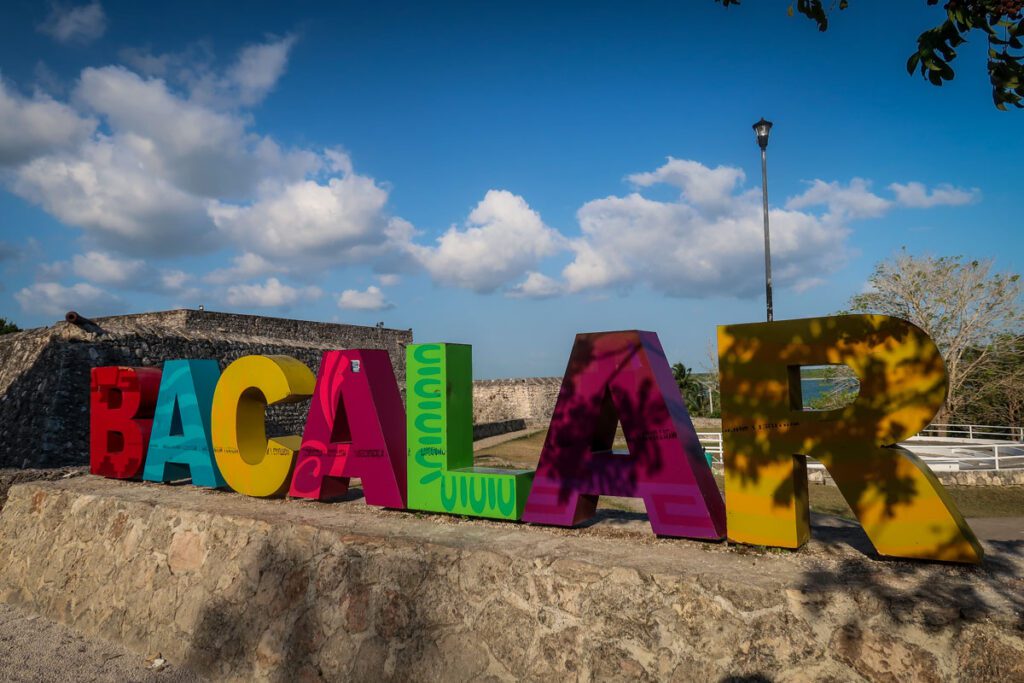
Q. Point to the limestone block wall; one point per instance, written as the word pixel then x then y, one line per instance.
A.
pixel 245 589
pixel 44 373
pixel 499 400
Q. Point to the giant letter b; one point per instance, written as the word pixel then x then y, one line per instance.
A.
pixel 121 402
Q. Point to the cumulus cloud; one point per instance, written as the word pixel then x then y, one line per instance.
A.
pixel 70 24
pixel 52 298
pixel 702 244
pixel 916 195
pixel 707 188
pixel 33 126
pixel 244 267
pixel 844 202
pixel 536 286
pixel 502 239
pixel 371 299
pixel 271 294
pixel 340 220
pixel 102 268
pixel 100 189
pixel 142 183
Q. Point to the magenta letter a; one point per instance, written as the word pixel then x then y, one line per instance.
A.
pixel 624 377
pixel 356 428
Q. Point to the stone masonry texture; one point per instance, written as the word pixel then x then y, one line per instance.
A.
pixel 44 373
pixel 246 589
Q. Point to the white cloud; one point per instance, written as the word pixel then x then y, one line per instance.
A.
pixel 503 238
pixel 246 266
pixel 312 224
pixel 201 150
pixel 105 269
pixel 142 184
pixel 372 299
pixel 273 293
pixel 686 249
pixel 51 298
pixel 916 195
pixel 708 188
pixel 536 286
pixel 389 279
pixel 33 126
pixel 82 24
pixel 258 69
pixel 101 189
pixel 852 201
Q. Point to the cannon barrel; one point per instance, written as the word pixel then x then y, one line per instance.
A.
pixel 76 318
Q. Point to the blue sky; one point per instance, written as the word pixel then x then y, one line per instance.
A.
pixel 500 174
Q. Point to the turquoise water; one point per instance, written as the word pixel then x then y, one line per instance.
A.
pixel 811 389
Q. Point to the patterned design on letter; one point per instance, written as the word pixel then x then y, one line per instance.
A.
pixel 355 428
pixel 441 478
pixel 121 403
pixel 624 377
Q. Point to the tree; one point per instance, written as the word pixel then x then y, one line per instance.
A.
pixel 997 389
pixel 689 387
pixel 1001 22
pixel 8 326
pixel 970 312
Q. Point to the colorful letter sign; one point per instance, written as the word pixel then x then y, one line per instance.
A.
pixel 439 399
pixel 120 419
pixel 180 444
pixel 355 428
pixel 766 434
pixel 613 377
pixel 250 462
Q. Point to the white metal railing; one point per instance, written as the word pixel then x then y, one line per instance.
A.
pixel 962 431
pixel 712 443
pixel 965 456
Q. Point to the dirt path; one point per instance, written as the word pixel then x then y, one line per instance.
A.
pixel 33 648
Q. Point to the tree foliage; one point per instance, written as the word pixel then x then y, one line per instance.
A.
pixel 1000 21
pixel 695 390
pixel 689 387
pixel 972 313
pixel 8 326
pixel 997 388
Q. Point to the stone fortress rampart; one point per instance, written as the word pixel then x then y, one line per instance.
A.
pixel 44 373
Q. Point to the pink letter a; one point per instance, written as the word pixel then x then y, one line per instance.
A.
pixel 356 428
pixel 624 376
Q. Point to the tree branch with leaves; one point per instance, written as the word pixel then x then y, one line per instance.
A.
pixel 1000 21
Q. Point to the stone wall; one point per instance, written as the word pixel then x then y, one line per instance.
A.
pixel 246 589
pixel 499 400
pixel 44 373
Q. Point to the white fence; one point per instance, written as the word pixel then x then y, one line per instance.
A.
pixel 973 432
pixel 943 447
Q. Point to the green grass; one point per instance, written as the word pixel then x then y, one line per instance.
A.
pixel 973 501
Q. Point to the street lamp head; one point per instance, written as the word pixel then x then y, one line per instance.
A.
pixel 762 128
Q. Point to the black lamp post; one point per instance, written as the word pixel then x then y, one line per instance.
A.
pixel 762 128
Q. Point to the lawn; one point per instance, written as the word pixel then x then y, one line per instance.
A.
pixel 973 501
